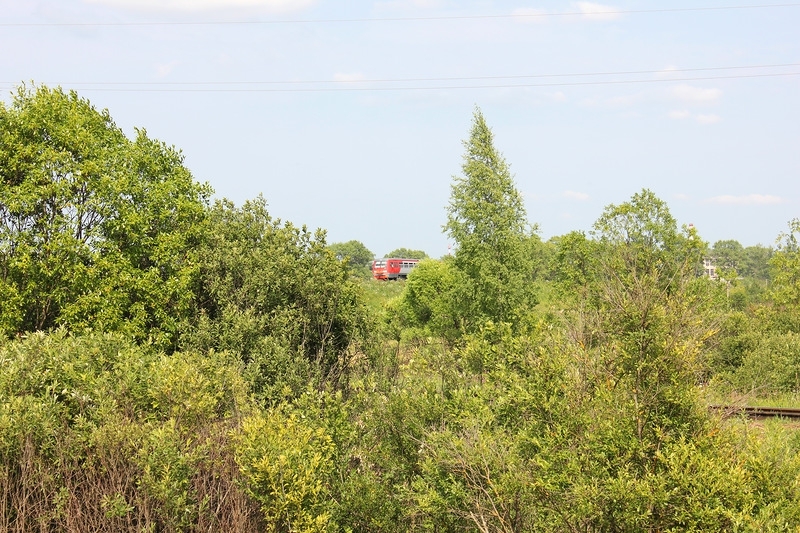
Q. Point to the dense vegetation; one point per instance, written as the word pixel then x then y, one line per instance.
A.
pixel 169 363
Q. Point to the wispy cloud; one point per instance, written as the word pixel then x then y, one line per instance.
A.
pixel 278 6
pixel 688 93
pixel 164 69
pixel 749 199
pixel 625 100
pixel 598 11
pixel 666 72
pixel 621 101
pixel 352 76
pixel 708 119
pixel 573 195
pixel 679 114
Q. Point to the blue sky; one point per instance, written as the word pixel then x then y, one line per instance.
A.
pixel 589 102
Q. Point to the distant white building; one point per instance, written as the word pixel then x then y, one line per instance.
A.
pixel 709 268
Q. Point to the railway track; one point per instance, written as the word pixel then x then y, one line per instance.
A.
pixel 756 412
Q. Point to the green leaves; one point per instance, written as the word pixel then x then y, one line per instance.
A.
pixel 276 295
pixel 357 256
pixel 785 267
pixel 96 231
pixel 487 220
pixel 287 463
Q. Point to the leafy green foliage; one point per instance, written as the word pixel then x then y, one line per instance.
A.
pixel 755 263
pixel 287 463
pixel 751 262
pixel 357 256
pixel 304 399
pixel 100 434
pixel 276 295
pixel 648 307
pixel 407 253
pixel 426 305
pixel 727 255
pixel 96 231
pixel 487 220
pixel 785 267
pixel 769 365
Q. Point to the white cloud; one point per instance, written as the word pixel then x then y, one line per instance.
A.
pixel 679 115
pixel 708 119
pixel 688 93
pixel 343 76
pixel 558 96
pixel 164 69
pixel 682 197
pixel 529 14
pixel 667 71
pixel 579 196
pixel 278 6
pixel 749 199
pixel 598 11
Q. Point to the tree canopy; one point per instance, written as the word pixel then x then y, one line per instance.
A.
pixel 407 253
pixel 96 230
pixel 486 219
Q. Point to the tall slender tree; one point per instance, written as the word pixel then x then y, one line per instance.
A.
pixel 487 220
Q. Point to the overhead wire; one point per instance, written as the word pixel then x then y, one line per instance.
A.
pixel 432 87
pixel 434 79
pixel 515 15
pixel 339 85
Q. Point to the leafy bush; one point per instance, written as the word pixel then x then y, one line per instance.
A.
pixel 269 289
pixel 96 230
pixel 104 435
pixel 772 366
pixel 287 462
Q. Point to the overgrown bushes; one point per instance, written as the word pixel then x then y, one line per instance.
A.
pixel 210 368
pixel 99 434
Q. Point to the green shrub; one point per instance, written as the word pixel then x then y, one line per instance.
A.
pixel 772 366
pixel 287 462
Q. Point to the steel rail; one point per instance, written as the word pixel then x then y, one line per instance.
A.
pixel 756 412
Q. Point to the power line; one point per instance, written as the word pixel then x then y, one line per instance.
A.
pixel 433 79
pixel 516 15
pixel 434 87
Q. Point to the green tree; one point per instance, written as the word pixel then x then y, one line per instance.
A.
pixel 574 262
pixel 785 273
pixel 650 305
pixel 426 302
pixel 728 256
pixel 487 220
pixel 276 295
pixel 358 257
pixel 407 253
pixel 96 230
pixel 755 262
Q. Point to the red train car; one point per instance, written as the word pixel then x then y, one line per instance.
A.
pixel 392 268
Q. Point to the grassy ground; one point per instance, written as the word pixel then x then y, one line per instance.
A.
pixel 379 293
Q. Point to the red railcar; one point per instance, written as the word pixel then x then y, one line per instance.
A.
pixel 392 268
